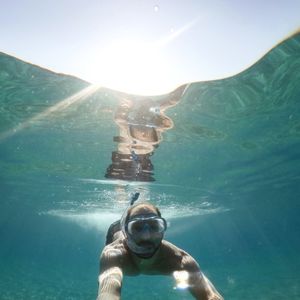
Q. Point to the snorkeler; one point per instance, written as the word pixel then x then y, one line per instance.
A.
pixel 135 245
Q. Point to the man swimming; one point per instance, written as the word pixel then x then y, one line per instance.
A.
pixel 135 245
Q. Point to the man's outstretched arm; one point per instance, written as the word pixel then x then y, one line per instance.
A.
pixel 110 283
pixel 110 278
pixel 201 288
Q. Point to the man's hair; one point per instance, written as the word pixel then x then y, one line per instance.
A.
pixel 145 204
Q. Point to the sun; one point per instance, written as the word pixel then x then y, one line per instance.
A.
pixel 133 67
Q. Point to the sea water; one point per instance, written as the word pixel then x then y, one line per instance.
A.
pixel 227 179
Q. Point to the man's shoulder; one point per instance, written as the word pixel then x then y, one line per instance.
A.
pixel 177 256
pixel 113 254
pixel 171 253
pixel 116 249
pixel 170 248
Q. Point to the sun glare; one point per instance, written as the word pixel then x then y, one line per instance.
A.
pixel 136 66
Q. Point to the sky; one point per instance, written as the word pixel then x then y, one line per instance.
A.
pixel 145 47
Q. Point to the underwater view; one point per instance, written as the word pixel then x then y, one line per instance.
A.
pixel 221 160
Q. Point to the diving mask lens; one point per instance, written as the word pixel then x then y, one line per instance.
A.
pixel 153 225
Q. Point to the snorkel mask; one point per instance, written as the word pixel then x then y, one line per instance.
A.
pixel 151 223
pixel 143 232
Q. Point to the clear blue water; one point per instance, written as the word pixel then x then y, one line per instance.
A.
pixel 227 178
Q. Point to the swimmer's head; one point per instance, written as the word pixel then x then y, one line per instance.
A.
pixel 144 229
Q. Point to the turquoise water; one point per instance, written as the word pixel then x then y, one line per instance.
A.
pixel 226 176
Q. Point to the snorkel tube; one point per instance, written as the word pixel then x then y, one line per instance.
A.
pixel 133 199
